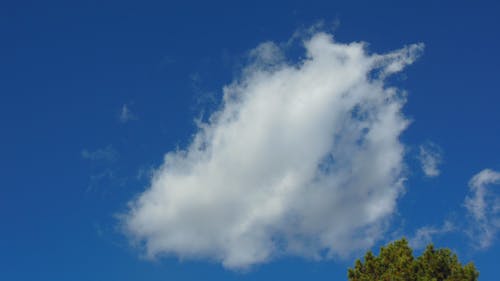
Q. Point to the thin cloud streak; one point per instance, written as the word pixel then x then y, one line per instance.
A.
pixel 423 236
pixel 483 206
pixel 430 156
pixel 107 153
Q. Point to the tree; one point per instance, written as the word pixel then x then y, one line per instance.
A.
pixel 397 263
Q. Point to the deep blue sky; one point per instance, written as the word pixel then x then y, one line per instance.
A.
pixel 67 69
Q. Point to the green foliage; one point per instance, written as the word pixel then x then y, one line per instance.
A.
pixel 396 263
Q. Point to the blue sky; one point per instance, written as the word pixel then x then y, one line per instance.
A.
pixel 96 93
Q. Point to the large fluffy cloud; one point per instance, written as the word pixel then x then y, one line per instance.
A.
pixel 483 206
pixel 300 159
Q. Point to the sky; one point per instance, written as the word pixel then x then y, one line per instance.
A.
pixel 232 140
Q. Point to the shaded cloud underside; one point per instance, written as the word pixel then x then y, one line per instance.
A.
pixel 300 159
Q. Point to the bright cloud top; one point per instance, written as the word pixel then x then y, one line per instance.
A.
pixel 301 159
pixel 430 159
pixel 484 207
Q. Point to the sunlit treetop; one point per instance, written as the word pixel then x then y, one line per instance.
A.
pixel 396 262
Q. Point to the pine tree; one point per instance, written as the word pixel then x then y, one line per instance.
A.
pixel 397 263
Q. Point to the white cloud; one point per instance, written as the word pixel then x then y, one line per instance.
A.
pixel 126 115
pixel 430 157
pixel 483 206
pixel 423 235
pixel 300 159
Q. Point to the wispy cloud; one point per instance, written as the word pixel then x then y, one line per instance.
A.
pixel 483 206
pixel 424 235
pixel 145 173
pixel 300 159
pixel 101 162
pixel 430 156
pixel 107 153
pixel 126 115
